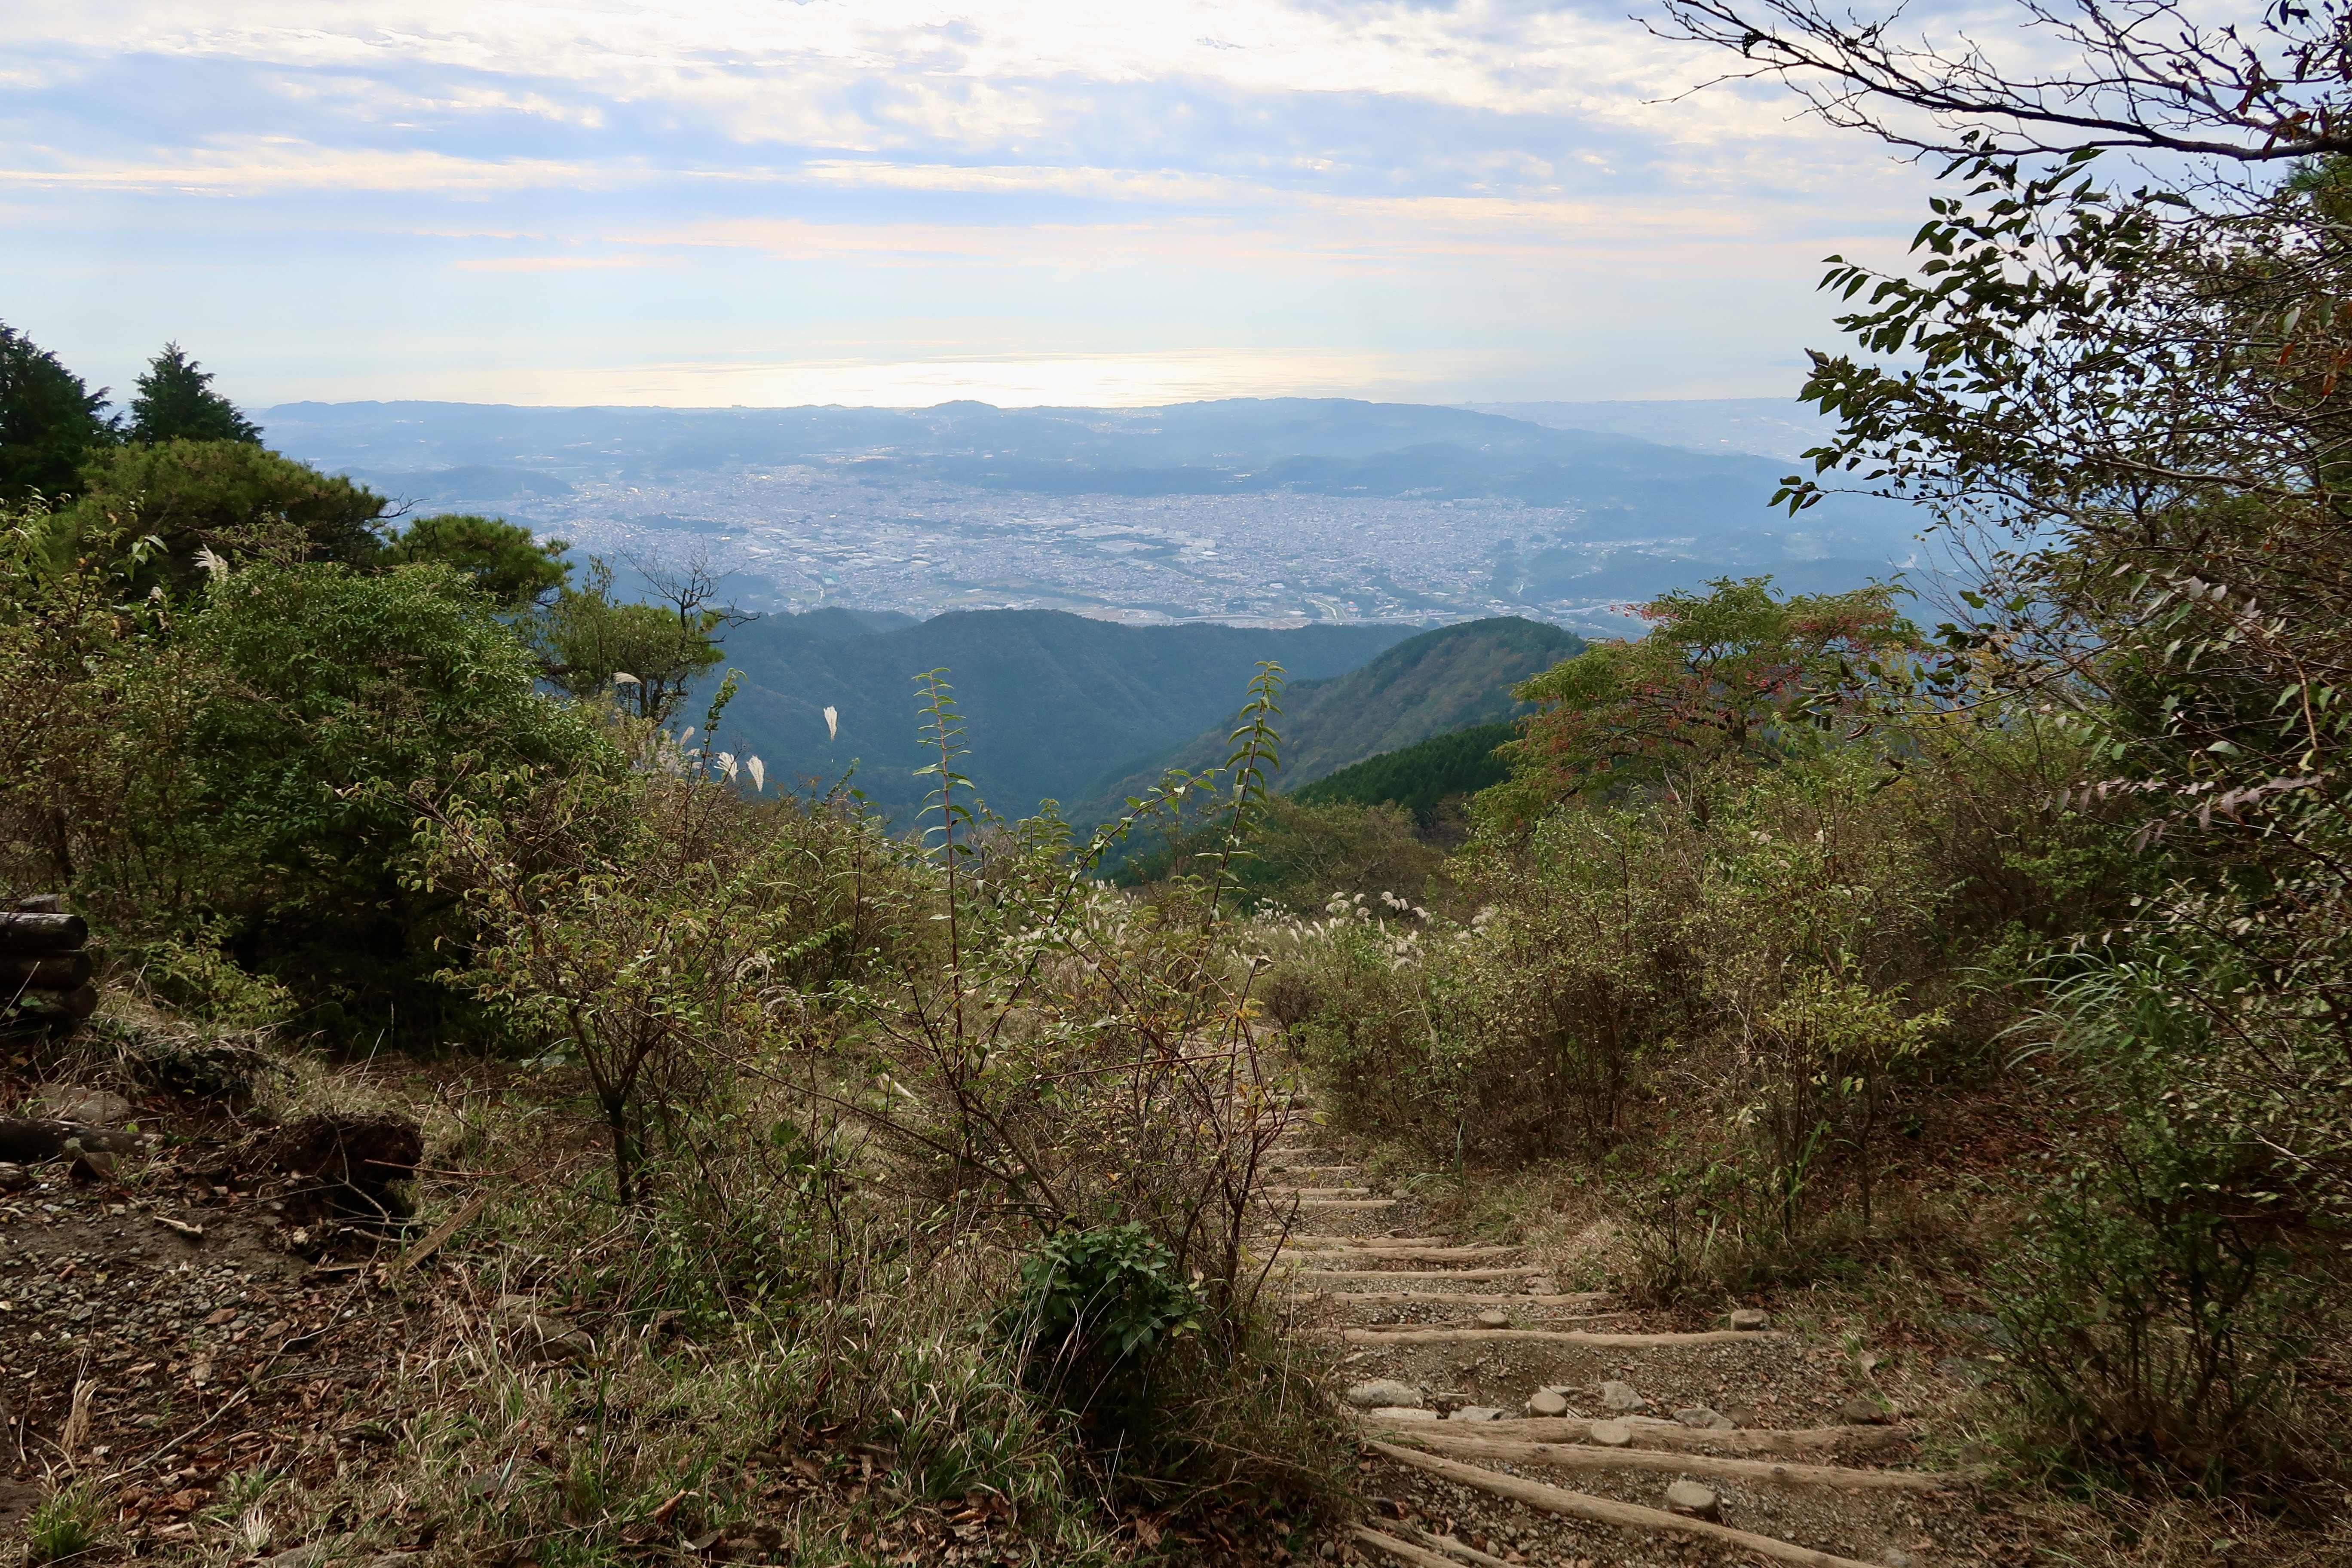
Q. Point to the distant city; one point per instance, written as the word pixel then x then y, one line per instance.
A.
pixel 1280 514
pixel 799 540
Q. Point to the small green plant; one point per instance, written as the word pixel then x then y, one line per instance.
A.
pixel 65 1523
pixel 1103 1299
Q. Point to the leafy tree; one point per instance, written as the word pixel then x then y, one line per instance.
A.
pixel 2136 398
pixel 176 402
pixel 50 421
pixel 646 656
pixel 504 559
pixel 1737 671
pixel 247 765
pixel 231 497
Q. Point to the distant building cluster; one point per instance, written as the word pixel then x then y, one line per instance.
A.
pixel 799 538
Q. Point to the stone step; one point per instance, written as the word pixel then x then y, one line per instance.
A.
pixel 1315 1191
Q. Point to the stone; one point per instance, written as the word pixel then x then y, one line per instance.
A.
pixel 1476 1412
pixel 309 1554
pixel 1895 1557
pixel 1385 1392
pixel 1692 1499
pixel 1705 1419
pixel 1749 1320
pixel 1621 1398
pixel 1611 1433
pixel 537 1338
pixel 90 1107
pixel 1402 1413
pixel 1494 1318
pixel 1862 1413
pixel 14 1178
pixel 1546 1402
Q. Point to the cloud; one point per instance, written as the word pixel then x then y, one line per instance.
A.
pixel 1293 179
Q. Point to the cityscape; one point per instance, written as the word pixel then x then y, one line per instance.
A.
pixel 799 540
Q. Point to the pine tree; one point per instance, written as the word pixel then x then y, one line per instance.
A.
pixel 50 421
pixel 176 402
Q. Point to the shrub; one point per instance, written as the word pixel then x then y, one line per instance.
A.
pixel 1094 1307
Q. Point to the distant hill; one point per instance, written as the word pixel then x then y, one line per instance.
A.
pixel 1421 776
pixel 1052 703
pixel 1429 684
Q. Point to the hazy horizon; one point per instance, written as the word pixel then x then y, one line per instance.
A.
pixel 902 201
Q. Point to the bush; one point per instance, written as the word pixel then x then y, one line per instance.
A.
pixel 2158 1328
pixel 2171 1292
pixel 1094 1309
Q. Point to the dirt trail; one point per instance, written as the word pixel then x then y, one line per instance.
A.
pixel 1523 1424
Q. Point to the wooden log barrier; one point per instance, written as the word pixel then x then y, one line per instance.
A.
pixel 23 932
pixel 30 1141
pixel 45 971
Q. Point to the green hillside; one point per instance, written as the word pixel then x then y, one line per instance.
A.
pixel 1419 777
pixel 1054 702
pixel 1429 684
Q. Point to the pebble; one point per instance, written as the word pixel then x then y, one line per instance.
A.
pixel 1748 1320
pixel 1692 1498
pixel 1494 1318
pixel 1547 1402
pixel 1611 1433
pixel 1704 1419
pixel 1621 1397
pixel 1384 1393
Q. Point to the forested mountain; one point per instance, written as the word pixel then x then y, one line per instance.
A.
pixel 1051 703
pixel 1428 685
pixel 1418 777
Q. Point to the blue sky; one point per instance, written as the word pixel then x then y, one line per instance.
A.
pixel 763 202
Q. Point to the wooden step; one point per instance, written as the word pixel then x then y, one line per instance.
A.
pixel 1675 1437
pixel 1336 1275
pixel 1409 1254
pixel 1583 1456
pixel 1455 1298
pixel 1609 1512
pixel 1553 1336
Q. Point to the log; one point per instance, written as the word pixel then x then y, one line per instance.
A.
pixel 1335 1275
pixel 51 971
pixel 1405 1551
pixel 1675 1437
pixel 1323 1255
pixel 21 933
pixel 1449 1298
pixel 1606 1511
pixel 1580 1456
pixel 1549 1336
pixel 28 1141
pixel 73 1005
pixel 1334 1243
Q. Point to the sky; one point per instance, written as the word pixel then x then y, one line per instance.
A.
pixel 898 202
